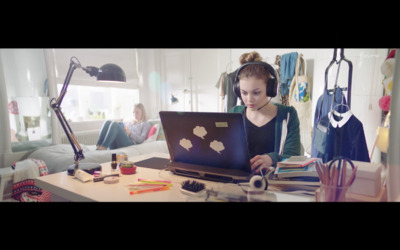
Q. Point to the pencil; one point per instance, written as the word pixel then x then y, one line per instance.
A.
pixel 149 190
pixel 343 179
pixel 319 171
pixel 152 181
pixel 167 183
pixel 349 182
pixel 352 176
pixel 326 180
pixel 333 183
pixel 325 174
pixel 145 185
pixel 342 184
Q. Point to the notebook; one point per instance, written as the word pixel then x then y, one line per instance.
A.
pixel 207 145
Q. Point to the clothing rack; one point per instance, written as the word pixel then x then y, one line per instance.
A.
pixel 350 75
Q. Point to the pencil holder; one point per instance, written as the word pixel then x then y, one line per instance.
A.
pixel 332 193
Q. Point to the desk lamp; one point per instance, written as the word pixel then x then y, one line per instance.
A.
pixel 108 72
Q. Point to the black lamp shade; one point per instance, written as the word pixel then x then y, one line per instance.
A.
pixel 111 72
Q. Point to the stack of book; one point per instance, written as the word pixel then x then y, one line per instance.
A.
pixel 296 171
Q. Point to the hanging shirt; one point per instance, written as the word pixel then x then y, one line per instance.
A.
pixel 345 138
pixel 288 65
pixel 231 98
pixel 324 105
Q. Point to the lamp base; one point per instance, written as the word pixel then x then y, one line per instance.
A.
pixel 87 167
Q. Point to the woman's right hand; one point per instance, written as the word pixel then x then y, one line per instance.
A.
pixel 127 131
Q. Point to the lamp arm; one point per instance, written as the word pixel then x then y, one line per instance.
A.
pixel 55 104
pixel 71 69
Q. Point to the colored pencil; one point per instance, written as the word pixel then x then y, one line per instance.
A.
pixel 149 190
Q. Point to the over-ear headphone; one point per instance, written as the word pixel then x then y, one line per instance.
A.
pixel 272 85
pixel 259 183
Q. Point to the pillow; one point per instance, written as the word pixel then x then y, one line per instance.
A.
pixel 160 131
pixel 161 135
pixel 153 133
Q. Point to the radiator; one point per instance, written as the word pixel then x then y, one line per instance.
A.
pixel 88 137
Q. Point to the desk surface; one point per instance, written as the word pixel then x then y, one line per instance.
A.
pixel 70 188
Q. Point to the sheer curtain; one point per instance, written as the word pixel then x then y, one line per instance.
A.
pixel 5 141
pixel 25 103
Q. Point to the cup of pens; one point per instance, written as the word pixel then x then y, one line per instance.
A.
pixel 335 178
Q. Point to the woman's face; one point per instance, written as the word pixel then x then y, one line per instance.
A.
pixel 138 114
pixel 253 91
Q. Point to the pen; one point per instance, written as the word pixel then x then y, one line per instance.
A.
pixel 149 190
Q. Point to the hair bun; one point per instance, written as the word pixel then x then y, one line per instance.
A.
pixel 250 57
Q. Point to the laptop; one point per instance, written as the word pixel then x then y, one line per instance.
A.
pixel 207 145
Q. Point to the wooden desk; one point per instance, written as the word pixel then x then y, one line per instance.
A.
pixel 72 189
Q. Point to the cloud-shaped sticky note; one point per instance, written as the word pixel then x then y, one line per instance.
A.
pixel 217 146
pixel 200 131
pixel 186 144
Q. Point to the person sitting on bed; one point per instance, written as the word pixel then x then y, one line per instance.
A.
pixel 117 134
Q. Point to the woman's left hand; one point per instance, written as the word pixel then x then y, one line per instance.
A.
pixel 259 161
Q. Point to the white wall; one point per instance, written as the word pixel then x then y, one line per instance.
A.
pixel 188 74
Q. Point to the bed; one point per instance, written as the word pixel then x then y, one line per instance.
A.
pixel 59 157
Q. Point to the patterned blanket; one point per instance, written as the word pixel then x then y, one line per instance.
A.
pixel 24 189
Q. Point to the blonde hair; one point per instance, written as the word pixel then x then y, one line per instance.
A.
pixel 141 107
pixel 258 71
pixel 250 57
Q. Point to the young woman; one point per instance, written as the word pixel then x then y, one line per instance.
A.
pixel 116 134
pixel 272 129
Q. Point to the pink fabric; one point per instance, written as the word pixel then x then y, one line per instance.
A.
pixel 384 103
pixel 13 108
pixel 152 131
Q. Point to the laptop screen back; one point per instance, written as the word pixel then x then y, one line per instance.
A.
pixel 210 139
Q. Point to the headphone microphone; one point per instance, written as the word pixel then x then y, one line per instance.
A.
pixel 264 104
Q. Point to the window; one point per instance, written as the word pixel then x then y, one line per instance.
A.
pixel 88 103
pixel 27 97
